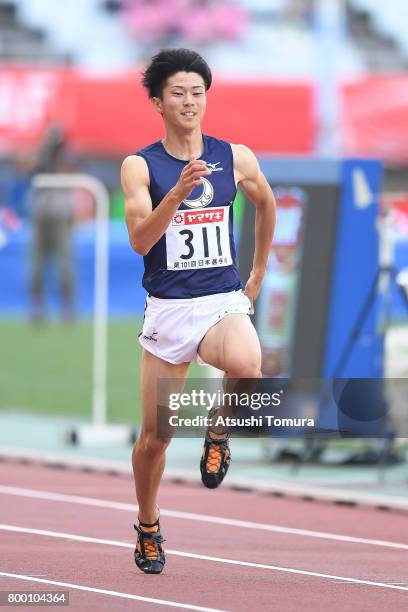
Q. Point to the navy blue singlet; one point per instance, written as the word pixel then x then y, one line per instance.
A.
pixel 196 255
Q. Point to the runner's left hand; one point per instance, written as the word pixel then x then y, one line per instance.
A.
pixel 252 289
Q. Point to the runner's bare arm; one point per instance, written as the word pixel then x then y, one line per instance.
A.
pixel 145 225
pixel 255 186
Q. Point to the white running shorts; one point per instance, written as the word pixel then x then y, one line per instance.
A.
pixel 173 329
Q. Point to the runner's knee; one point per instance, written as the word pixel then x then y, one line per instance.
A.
pixel 150 445
pixel 241 367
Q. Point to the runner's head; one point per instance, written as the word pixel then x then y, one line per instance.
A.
pixel 176 81
pixel 170 61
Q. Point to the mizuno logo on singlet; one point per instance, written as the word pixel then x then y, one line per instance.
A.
pixel 213 167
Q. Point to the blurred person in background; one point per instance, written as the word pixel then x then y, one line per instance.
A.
pixel 52 214
pixel 19 186
pixel 179 194
pixel 14 203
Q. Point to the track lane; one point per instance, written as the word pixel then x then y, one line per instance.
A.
pixel 294 513
pixel 107 568
pixel 344 559
pixel 90 589
pixel 209 583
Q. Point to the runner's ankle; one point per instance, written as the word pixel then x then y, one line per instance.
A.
pixel 218 435
pixel 150 525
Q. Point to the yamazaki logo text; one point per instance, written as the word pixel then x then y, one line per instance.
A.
pixel 213 215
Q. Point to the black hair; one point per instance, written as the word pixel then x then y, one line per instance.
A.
pixel 169 61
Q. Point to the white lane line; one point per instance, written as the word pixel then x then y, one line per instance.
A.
pixel 178 553
pixel 79 587
pixel 204 518
pixel 41 459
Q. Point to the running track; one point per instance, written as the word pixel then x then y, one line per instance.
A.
pixel 226 550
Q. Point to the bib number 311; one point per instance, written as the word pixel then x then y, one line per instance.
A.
pixel 198 239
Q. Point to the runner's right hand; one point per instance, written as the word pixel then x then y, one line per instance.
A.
pixel 190 177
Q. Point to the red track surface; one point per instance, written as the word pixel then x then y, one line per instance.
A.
pixel 196 581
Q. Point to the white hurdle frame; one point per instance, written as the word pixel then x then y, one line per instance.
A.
pixel 100 328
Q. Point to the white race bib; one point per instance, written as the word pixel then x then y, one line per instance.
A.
pixel 199 239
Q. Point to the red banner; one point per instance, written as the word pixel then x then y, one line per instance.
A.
pixel 375 118
pixel 28 100
pixel 113 116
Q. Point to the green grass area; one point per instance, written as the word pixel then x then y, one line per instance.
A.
pixel 48 369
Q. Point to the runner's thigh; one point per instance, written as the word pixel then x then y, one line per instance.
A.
pixel 232 345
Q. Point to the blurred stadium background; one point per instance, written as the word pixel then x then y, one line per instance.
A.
pixel 306 84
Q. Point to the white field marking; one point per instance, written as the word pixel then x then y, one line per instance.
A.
pixel 276 568
pixel 204 518
pixel 79 587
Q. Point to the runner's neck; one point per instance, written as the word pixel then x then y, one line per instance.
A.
pixel 184 146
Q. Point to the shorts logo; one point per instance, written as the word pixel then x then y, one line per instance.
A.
pixel 205 198
pixel 151 337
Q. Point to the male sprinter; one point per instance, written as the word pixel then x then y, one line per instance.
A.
pixel 179 193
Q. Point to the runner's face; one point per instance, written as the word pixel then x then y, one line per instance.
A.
pixel 183 101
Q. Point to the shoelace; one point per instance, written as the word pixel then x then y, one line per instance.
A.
pixel 215 456
pixel 149 543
